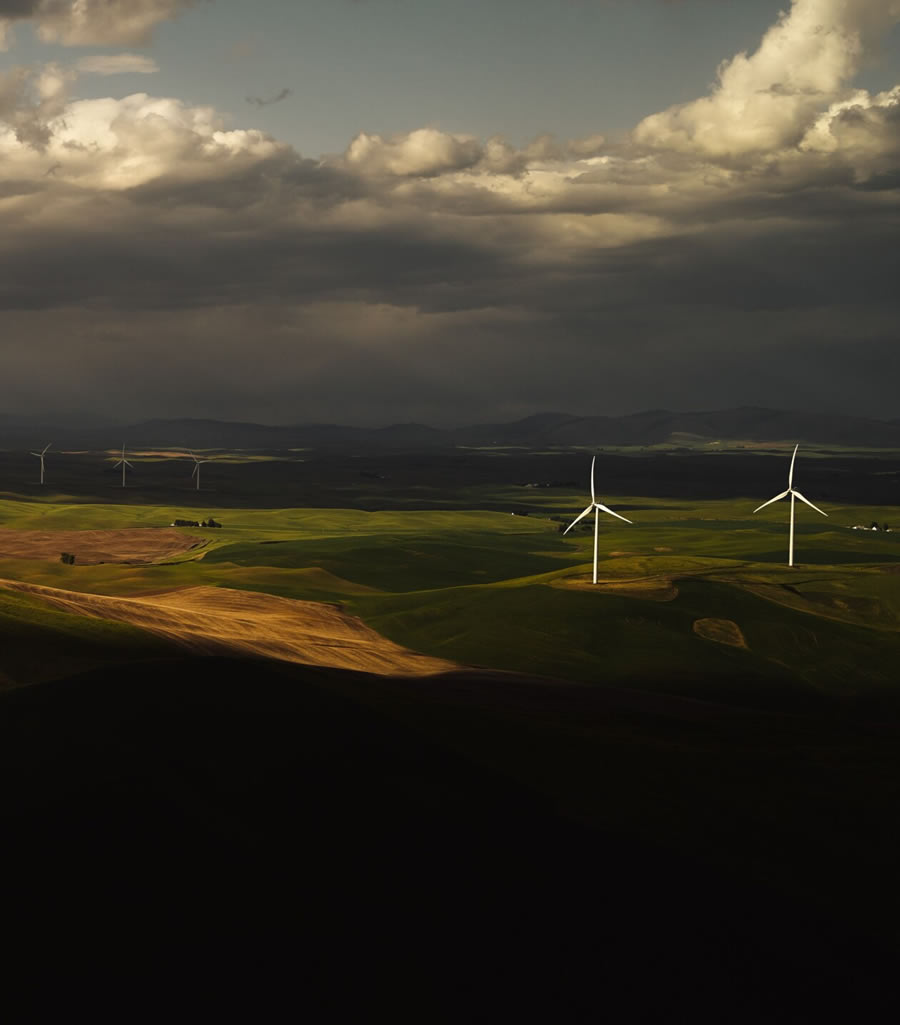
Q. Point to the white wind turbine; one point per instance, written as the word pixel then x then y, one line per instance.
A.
pixel 123 462
pixel 794 494
pixel 597 508
pixel 197 464
pixel 40 455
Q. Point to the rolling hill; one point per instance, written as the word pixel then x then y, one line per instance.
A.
pixel 654 427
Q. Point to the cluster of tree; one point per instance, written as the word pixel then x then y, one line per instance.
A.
pixel 196 523
pixel 68 558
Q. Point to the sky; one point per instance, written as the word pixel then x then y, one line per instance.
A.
pixel 378 211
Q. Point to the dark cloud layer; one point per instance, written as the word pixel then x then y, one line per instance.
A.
pixel 170 265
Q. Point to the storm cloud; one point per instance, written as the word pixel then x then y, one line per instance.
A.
pixel 735 249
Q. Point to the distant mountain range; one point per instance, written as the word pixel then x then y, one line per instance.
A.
pixel 747 424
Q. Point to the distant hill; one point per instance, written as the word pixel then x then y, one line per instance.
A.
pixel 653 427
pixel 660 426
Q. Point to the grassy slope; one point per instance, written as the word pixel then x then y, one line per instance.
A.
pixel 829 624
pixel 609 638
pixel 237 828
pixel 761 795
pixel 40 643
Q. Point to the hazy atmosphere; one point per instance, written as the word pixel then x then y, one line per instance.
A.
pixel 389 210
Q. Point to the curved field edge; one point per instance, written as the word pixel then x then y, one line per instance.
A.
pixel 211 620
pixel 644 643
pixel 39 643
pixel 829 625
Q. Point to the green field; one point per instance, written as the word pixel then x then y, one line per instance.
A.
pixel 494 590
pixel 704 697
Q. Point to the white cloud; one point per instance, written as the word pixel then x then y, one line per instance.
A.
pixel 861 133
pixel 424 152
pixel 114 144
pixel 30 100
pixel 767 100
pixel 548 204
pixel 117 64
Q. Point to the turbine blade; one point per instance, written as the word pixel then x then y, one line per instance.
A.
pixel 802 499
pixel 47 446
pixel 129 465
pixel 791 471
pixel 603 508
pixel 37 454
pixel 593 496
pixel 117 465
pixel 196 468
pixel 777 498
pixel 590 508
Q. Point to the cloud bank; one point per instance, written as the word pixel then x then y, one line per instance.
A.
pixel 735 249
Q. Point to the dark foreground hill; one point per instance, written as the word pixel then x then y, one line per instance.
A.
pixel 238 835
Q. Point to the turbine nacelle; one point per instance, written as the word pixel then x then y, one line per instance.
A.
pixel 594 504
pixel 124 463
pixel 794 493
pixel 596 508
pixel 195 473
pixel 791 490
pixel 40 455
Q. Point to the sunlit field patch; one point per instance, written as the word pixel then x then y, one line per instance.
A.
pixel 483 587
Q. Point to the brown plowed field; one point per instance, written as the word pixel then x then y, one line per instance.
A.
pixel 214 620
pixel 135 545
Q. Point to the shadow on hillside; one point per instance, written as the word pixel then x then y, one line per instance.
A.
pixel 228 831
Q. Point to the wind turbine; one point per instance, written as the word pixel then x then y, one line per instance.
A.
pixel 40 455
pixel 794 494
pixel 197 464
pixel 597 508
pixel 123 462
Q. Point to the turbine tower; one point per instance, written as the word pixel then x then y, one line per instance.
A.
pixel 197 464
pixel 597 508
pixel 123 462
pixel 40 455
pixel 794 494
